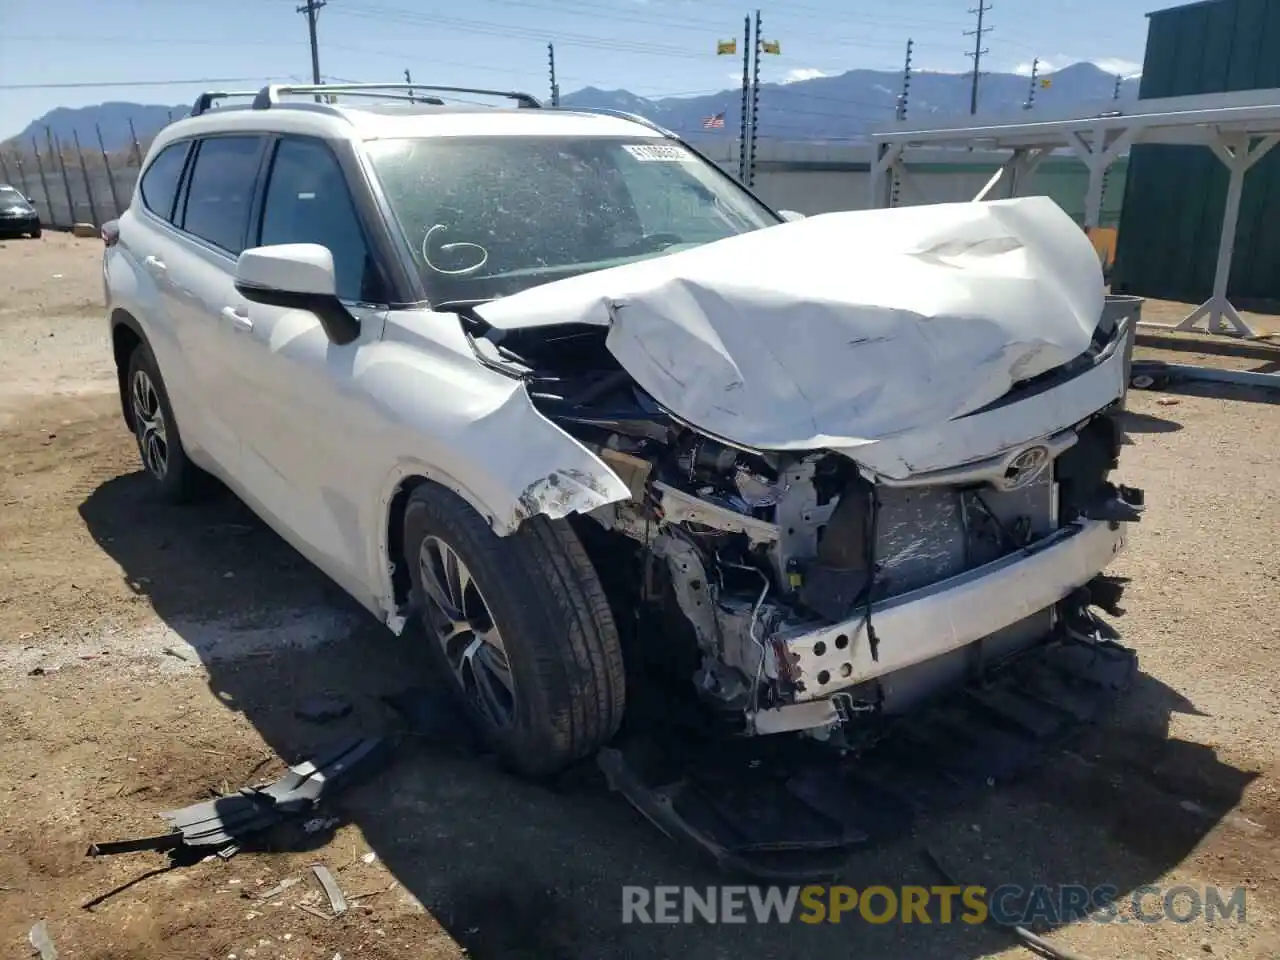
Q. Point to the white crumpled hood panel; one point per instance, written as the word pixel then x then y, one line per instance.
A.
pixel 846 328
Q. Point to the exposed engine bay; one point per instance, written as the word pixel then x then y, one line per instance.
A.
pixel 761 573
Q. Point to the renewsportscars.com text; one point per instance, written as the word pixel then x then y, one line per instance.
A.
pixel 1009 904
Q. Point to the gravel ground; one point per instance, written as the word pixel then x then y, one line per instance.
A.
pixel 149 655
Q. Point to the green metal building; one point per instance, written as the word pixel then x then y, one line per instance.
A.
pixel 1174 195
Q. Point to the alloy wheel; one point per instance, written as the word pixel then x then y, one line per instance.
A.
pixel 148 421
pixel 459 616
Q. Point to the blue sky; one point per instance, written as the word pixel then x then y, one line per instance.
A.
pixel 651 47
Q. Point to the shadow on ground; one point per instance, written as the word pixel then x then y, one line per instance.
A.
pixel 514 869
pixel 1135 422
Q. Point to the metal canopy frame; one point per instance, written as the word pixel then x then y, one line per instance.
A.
pixel 1240 128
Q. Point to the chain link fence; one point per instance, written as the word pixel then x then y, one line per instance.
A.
pixel 69 182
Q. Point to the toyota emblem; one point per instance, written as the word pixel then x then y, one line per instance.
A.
pixel 1024 467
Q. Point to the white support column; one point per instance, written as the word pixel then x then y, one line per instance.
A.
pixel 1217 311
pixel 1097 157
pixel 881 184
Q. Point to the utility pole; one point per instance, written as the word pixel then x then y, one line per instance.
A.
pixel 901 113
pixel 312 9
pixel 409 80
pixel 1031 90
pixel 979 51
pixel 745 121
pixel 551 63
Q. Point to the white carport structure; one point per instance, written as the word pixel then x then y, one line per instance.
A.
pixel 1238 127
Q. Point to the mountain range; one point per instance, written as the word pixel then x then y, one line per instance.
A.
pixel 839 107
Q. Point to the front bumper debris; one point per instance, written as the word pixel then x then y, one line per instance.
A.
pixel 789 808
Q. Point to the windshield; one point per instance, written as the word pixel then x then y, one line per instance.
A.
pixel 8 195
pixel 490 216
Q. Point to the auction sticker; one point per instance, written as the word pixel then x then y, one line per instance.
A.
pixel 658 152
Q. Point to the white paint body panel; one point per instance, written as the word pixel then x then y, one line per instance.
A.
pixel 846 330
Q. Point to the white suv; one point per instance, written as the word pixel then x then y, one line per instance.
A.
pixel 548 386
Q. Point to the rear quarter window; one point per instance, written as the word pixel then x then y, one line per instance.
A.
pixel 159 185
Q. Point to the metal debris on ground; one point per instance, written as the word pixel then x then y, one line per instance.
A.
pixel 274 892
pixel 41 942
pixel 337 901
pixel 226 823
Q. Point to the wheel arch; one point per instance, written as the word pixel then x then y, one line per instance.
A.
pixel 126 336
pixel 569 495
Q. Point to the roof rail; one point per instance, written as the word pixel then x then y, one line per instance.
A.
pixel 623 114
pixel 270 95
pixel 204 102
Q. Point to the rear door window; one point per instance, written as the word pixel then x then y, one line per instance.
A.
pixel 159 185
pixel 221 190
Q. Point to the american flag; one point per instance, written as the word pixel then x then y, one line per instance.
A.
pixel 714 122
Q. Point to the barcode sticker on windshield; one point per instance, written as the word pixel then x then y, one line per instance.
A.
pixel 658 152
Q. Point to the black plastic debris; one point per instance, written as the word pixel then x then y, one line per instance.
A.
pixel 223 825
pixel 790 809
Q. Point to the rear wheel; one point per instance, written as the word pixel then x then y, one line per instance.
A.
pixel 520 628
pixel 156 431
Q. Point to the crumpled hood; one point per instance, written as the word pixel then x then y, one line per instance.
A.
pixel 845 328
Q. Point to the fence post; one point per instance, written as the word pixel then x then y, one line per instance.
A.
pixel 137 149
pixel 22 176
pixel 88 187
pixel 4 168
pixel 56 147
pixel 44 183
pixel 111 180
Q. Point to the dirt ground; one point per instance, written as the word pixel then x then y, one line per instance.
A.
pixel 150 655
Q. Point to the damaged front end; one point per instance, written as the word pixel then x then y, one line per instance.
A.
pixel 795 609
pixel 805 595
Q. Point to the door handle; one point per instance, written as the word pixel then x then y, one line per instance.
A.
pixel 240 322
pixel 154 264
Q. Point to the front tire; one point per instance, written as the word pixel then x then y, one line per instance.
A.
pixel 35 234
pixel 156 431
pixel 520 627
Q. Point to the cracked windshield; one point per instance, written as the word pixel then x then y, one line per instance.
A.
pixel 487 217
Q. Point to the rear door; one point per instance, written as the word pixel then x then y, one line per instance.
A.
pixel 148 234
pixel 294 397
pixel 212 215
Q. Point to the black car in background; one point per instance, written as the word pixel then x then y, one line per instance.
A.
pixel 17 215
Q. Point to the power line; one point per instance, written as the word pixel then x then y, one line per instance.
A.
pixel 85 84
pixel 978 52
